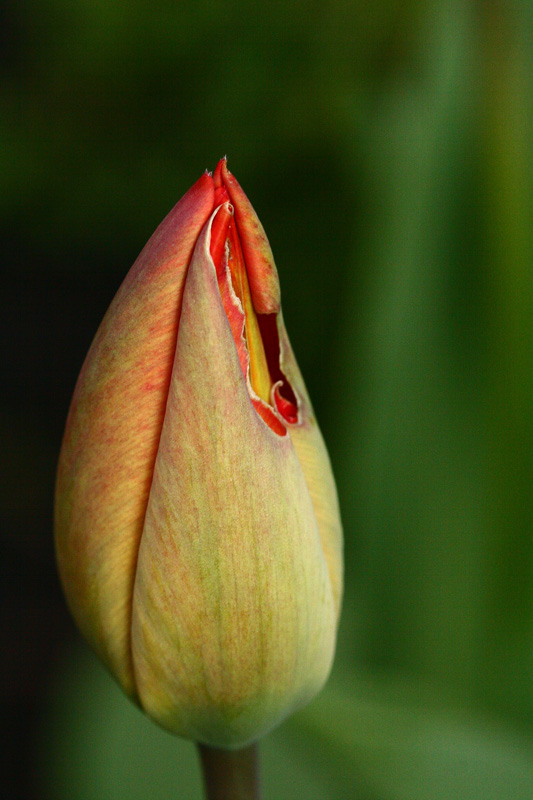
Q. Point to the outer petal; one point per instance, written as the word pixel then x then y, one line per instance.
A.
pixel 314 460
pixel 112 434
pixel 233 614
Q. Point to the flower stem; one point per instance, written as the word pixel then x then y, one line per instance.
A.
pixel 230 774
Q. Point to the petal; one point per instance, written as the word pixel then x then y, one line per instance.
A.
pixel 260 266
pixel 113 430
pixel 233 616
pixel 314 459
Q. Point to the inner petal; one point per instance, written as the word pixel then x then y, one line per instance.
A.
pixel 255 335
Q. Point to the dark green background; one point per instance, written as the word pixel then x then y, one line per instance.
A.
pixel 388 149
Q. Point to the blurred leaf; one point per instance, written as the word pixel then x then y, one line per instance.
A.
pixel 372 739
pixel 412 462
pixel 400 741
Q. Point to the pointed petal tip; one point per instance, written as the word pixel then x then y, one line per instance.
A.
pixel 262 273
pixel 224 167
pixel 219 172
pixel 204 181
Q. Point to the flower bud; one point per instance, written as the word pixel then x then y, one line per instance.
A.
pixel 197 529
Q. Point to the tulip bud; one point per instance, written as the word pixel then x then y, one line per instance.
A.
pixel 197 528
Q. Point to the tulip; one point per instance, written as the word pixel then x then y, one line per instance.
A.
pixel 197 529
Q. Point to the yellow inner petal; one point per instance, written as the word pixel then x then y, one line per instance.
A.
pixel 259 373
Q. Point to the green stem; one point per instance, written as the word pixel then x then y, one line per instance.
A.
pixel 230 774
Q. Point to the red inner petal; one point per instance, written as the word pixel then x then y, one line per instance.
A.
pixel 223 230
pixel 219 234
pixel 268 416
pixel 287 409
pixel 286 401
pixel 217 176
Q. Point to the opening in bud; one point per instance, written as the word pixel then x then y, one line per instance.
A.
pixel 255 334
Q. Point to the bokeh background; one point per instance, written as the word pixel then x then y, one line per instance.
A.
pixel 388 148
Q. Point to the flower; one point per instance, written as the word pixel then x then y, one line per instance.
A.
pixel 197 529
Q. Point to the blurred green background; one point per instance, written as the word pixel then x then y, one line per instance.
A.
pixel 388 148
